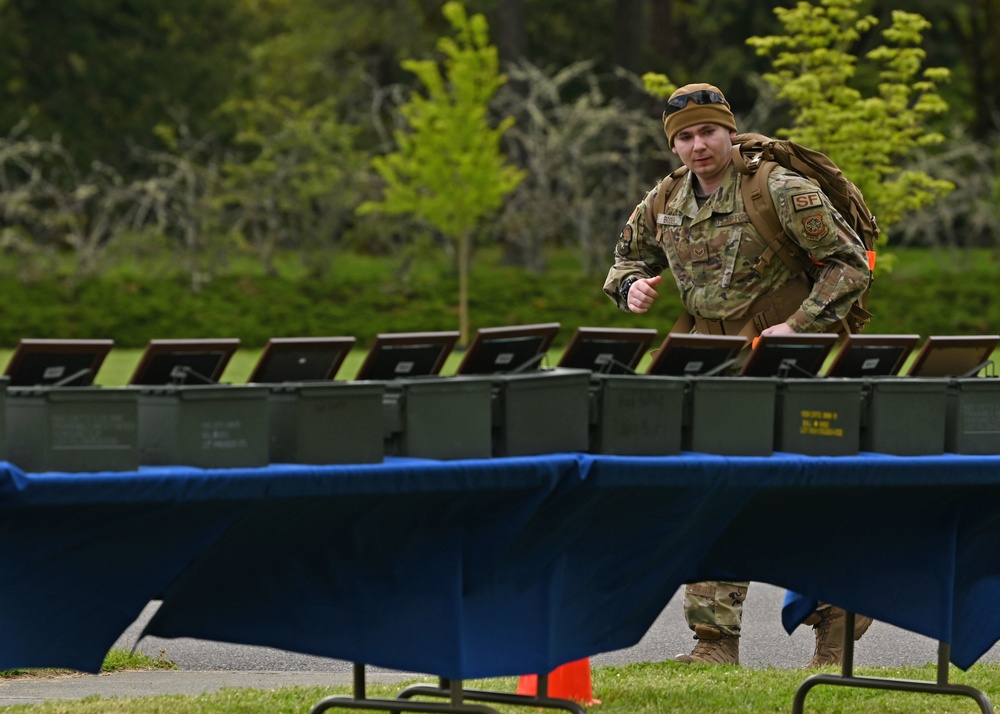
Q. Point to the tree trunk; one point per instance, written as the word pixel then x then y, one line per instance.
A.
pixel 512 38
pixel 982 55
pixel 464 266
pixel 662 35
pixel 629 41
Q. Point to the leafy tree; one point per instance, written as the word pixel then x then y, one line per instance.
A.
pixel 587 157
pixel 971 215
pixel 294 181
pixel 48 206
pixel 173 203
pixel 314 51
pixel 102 73
pixel 867 136
pixel 448 169
pixel 966 38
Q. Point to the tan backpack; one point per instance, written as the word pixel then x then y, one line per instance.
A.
pixel 755 156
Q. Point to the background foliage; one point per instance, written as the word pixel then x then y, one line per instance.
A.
pixel 931 291
pixel 215 152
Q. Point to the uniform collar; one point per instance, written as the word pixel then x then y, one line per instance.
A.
pixel 722 201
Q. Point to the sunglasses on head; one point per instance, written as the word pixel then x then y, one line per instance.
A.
pixel 702 96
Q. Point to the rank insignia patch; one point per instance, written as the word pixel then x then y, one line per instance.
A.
pixel 814 226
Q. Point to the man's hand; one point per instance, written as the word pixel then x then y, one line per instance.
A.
pixel 643 293
pixel 782 328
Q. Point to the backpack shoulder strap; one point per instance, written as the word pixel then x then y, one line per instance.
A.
pixel 665 190
pixel 760 206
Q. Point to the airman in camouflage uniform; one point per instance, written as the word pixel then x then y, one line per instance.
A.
pixel 704 238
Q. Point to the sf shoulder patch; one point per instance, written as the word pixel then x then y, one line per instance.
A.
pixel 757 155
pixel 814 226
pixel 804 201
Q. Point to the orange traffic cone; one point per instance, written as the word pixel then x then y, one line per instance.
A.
pixel 570 681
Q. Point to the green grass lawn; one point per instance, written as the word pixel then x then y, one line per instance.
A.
pixel 647 688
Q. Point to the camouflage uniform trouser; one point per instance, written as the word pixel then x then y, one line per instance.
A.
pixel 717 604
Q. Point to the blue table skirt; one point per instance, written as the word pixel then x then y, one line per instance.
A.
pixel 491 567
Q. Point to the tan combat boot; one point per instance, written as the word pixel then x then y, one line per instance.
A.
pixel 713 648
pixel 828 624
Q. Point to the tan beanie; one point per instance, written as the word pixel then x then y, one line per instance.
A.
pixel 699 104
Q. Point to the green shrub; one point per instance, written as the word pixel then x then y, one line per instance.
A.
pixel 928 292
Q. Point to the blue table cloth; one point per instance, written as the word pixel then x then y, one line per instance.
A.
pixel 491 567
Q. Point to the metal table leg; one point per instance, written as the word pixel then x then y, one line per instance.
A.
pixel 847 678
pixel 360 700
pixel 540 699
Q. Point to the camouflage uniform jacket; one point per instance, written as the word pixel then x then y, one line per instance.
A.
pixel 711 251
